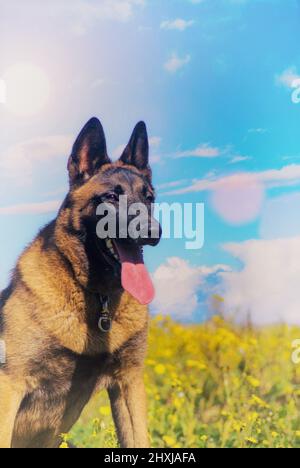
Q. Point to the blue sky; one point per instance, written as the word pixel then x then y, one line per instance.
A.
pixel 213 79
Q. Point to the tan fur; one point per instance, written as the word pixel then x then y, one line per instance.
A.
pixel 56 355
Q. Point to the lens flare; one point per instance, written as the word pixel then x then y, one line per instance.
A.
pixel 27 89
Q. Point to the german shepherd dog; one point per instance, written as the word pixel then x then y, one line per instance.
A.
pixel 74 318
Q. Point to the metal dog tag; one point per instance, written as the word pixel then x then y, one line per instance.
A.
pixel 105 324
pixel 105 321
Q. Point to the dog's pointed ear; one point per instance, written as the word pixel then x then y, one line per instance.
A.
pixel 89 153
pixel 136 152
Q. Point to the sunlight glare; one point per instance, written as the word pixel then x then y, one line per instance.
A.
pixel 27 89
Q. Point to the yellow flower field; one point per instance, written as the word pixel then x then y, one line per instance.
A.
pixel 211 385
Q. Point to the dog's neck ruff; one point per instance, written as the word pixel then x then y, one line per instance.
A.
pixel 105 320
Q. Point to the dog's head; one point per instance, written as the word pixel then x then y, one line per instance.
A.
pixel 111 205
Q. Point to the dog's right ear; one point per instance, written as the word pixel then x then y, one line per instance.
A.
pixel 89 153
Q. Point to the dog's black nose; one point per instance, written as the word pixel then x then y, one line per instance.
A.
pixel 151 232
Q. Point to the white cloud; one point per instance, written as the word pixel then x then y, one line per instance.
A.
pixel 239 158
pixel 155 141
pixel 155 157
pixel 83 13
pixel 173 184
pixel 238 198
pixel 267 289
pixel 31 208
pixel 286 176
pixel 202 151
pixel 176 63
pixel 289 78
pixel 79 15
pixel 178 284
pixel 280 217
pixel 272 178
pixel 20 161
pixel 178 24
pixel 260 131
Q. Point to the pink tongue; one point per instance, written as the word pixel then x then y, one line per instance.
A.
pixel 135 277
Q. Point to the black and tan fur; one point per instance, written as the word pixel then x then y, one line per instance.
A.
pixel 56 355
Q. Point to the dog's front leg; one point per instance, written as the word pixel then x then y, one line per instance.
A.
pixel 137 404
pixel 129 407
pixel 10 401
pixel 121 416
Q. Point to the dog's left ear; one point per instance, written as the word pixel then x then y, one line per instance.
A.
pixel 136 152
pixel 89 153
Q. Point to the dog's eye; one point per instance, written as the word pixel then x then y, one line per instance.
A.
pixel 150 198
pixel 112 197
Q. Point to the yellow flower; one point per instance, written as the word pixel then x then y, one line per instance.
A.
pixel 242 397
pixel 64 445
pixel 252 440
pixel 173 419
pixel 253 341
pixel 169 441
pixel 195 364
pixel 255 400
pixel 178 402
pixel 160 369
pixel 238 426
pixel 159 318
pixel 253 417
pixel 253 382
pixel 105 410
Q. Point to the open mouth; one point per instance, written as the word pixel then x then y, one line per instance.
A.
pixel 112 250
pixel 135 277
